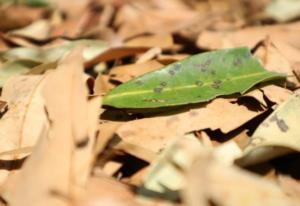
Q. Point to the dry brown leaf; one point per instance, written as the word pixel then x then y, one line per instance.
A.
pixel 127 72
pixel 18 16
pixel 149 55
pixel 168 59
pixel 115 53
pixel 156 132
pixel 62 158
pixel 102 84
pixel 38 30
pixel 106 132
pixel 230 186
pixel 25 112
pixel 134 21
pixel 274 59
pixel 249 36
pixel 274 93
pixel 164 41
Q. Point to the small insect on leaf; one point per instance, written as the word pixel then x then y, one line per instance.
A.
pixel 198 78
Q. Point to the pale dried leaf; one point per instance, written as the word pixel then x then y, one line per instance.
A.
pixel 156 132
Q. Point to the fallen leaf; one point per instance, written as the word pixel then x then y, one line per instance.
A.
pixel 250 36
pixel 229 186
pixel 165 177
pixel 199 78
pixel 38 30
pixel 54 53
pixel 67 146
pixel 279 130
pixel 283 11
pixel 25 111
pixel 115 53
pixel 156 132
pixel 164 41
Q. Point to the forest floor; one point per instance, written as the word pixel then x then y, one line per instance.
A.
pixel 150 102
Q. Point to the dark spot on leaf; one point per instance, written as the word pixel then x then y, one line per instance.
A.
pixel 203 69
pixel 171 72
pixel 82 143
pixel 280 123
pixel 177 66
pixel 207 62
pixel 237 62
pixel 157 89
pixel 139 82
pixel 216 84
pixel 213 72
pixel 163 84
pixel 199 83
pixel 204 66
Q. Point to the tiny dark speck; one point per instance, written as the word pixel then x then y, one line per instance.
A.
pixel 237 62
pixel 216 84
pixel 82 143
pixel 177 66
pixel 199 83
pixel 139 82
pixel 171 72
pixel 157 89
pixel 163 84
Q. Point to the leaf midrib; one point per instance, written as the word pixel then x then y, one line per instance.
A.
pixel 183 87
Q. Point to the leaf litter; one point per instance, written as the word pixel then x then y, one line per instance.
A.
pixel 79 127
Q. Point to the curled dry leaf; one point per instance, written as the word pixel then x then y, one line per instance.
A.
pixel 165 176
pixel 62 158
pixel 279 130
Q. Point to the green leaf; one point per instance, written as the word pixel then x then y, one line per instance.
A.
pixel 198 78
